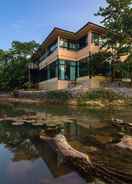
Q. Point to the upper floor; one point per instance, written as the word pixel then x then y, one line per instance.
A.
pixel 68 45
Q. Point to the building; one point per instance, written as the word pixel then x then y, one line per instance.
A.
pixel 62 60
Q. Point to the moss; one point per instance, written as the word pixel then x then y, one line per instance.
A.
pixel 99 94
pixel 58 95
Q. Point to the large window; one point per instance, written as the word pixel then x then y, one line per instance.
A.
pixel 43 74
pixel 74 45
pixel 34 75
pixel 69 44
pixel 82 42
pixel 48 72
pixel 49 51
pixel 67 70
pixel 52 70
pixel 52 47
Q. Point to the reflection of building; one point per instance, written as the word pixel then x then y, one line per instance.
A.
pixel 52 160
pixel 71 129
pixel 75 130
pixel 63 58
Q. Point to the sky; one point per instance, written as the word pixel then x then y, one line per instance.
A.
pixel 26 20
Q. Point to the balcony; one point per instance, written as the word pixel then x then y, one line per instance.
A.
pixel 51 58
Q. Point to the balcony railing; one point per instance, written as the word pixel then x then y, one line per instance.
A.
pixel 32 66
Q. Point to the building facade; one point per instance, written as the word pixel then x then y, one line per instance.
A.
pixel 63 58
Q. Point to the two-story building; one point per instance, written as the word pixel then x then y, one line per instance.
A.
pixel 62 60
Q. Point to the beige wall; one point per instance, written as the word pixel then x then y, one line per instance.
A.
pixel 55 84
pixel 95 82
pixel 67 54
pixel 63 84
pixel 49 84
pixel 51 58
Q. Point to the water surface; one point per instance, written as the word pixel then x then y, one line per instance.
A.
pixel 25 159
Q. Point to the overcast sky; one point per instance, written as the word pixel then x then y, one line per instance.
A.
pixel 26 20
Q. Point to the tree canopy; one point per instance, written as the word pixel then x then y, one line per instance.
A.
pixel 117 19
pixel 13 64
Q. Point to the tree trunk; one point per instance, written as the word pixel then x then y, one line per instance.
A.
pixel 83 164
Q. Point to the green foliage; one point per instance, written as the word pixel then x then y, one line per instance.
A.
pixel 27 85
pixel 100 94
pixel 23 49
pixel 60 95
pixel 97 63
pixel 13 65
pixel 117 18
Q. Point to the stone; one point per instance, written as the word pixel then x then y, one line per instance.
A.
pixel 126 142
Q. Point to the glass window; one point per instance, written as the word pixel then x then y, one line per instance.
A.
pixel 63 43
pixel 43 74
pixel 68 44
pixel 52 47
pixel 67 70
pixel 61 71
pixel 34 75
pixel 82 42
pixel 52 69
pixel 48 72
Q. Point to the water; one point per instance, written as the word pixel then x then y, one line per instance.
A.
pixel 25 159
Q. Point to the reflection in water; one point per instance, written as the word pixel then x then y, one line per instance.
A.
pixel 25 159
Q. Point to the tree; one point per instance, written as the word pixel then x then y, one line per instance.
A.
pixel 98 63
pixel 13 68
pixel 23 49
pixel 4 56
pixel 117 19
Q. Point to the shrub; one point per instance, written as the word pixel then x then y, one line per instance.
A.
pixel 58 95
pixel 101 94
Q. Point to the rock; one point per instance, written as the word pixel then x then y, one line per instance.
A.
pixel 18 123
pixel 118 121
pixel 126 142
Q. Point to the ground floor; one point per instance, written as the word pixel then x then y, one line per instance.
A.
pixel 62 74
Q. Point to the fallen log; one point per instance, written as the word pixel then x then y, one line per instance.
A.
pixel 121 123
pixel 62 147
pixel 126 142
pixel 87 167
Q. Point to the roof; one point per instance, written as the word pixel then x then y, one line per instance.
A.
pixel 67 34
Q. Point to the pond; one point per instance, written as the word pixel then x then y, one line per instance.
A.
pixel 25 159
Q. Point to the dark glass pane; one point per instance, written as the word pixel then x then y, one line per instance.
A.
pixel 52 70
pixel 34 75
pixel 82 42
pixel 43 74
pixel 67 70
pixel 83 67
pixel 61 70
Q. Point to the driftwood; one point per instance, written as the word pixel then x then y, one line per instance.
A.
pixel 121 123
pixel 87 167
pixel 126 142
pixel 63 148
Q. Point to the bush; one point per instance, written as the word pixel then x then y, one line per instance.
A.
pixel 58 95
pixel 101 94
